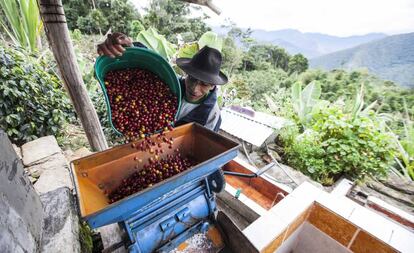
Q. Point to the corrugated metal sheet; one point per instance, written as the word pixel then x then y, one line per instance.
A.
pixel 254 130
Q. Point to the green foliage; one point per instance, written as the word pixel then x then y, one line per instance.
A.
pixel 241 88
pixel 74 9
pixel 210 39
pixel 232 56
pixel 135 28
pixel 256 83
pixel 120 14
pixel 32 101
pixel 261 56
pixel 188 50
pixel 171 18
pixel 298 64
pixel 339 84
pixel 94 22
pixel 335 145
pixel 76 35
pixel 280 104
pixel 405 155
pixel 22 22
pixel 307 101
pixel 99 16
pixel 153 40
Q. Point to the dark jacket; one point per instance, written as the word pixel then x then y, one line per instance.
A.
pixel 201 113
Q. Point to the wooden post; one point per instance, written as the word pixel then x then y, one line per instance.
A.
pixel 57 32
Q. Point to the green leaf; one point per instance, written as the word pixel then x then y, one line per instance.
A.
pixel 156 42
pixel 188 50
pixel 22 16
pixel 210 39
pixel 297 97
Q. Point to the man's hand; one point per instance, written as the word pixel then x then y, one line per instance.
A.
pixel 113 45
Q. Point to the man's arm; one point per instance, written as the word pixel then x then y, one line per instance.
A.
pixel 114 45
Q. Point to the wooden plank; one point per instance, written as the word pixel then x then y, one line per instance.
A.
pixel 59 40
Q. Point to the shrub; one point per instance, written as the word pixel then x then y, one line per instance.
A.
pixel 335 145
pixel 32 101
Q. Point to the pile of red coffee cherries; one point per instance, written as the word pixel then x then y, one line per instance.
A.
pixel 140 102
pixel 157 168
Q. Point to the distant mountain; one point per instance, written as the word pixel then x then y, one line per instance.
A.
pixel 309 44
pixel 391 58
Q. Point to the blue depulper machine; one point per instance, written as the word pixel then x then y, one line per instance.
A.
pixel 161 217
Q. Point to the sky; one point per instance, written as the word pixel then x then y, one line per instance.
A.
pixel 333 17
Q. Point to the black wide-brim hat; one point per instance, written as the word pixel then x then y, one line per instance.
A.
pixel 204 66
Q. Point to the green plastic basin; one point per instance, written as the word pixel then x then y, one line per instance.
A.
pixel 136 57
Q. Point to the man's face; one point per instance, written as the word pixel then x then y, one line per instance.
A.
pixel 196 89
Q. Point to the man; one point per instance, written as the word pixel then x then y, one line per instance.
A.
pixel 199 103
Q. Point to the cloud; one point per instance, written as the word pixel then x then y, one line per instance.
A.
pixel 335 17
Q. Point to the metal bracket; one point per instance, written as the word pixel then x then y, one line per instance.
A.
pixel 167 227
pixel 183 214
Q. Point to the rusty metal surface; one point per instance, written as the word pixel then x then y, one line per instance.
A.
pixel 102 172
pixel 258 189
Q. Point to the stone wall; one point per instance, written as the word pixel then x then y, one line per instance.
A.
pixel 39 218
pixel 21 214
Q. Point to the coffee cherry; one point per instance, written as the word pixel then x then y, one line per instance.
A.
pixel 150 174
pixel 134 96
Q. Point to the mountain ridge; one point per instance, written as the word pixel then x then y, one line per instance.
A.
pixel 390 58
pixel 309 44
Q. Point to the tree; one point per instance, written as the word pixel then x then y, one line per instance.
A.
pixel 120 14
pixel 100 15
pixel 265 56
pixel 232 56
pixel 170 18
pixel 94 22
pixel 74 9
pixel 298 63
pixel 279 58
pixel 260 82
pixel 239 35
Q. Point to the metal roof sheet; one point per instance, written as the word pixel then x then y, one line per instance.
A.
pixel 254 130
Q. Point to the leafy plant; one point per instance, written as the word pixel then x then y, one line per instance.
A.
pixel 335 144
pixel 280 103
pixel 32 101
pixel 188 50
pixel 405 155
pixel 153 40
pixel 135 28
pixel 23 24
pixel 307 101
pixel 211 39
